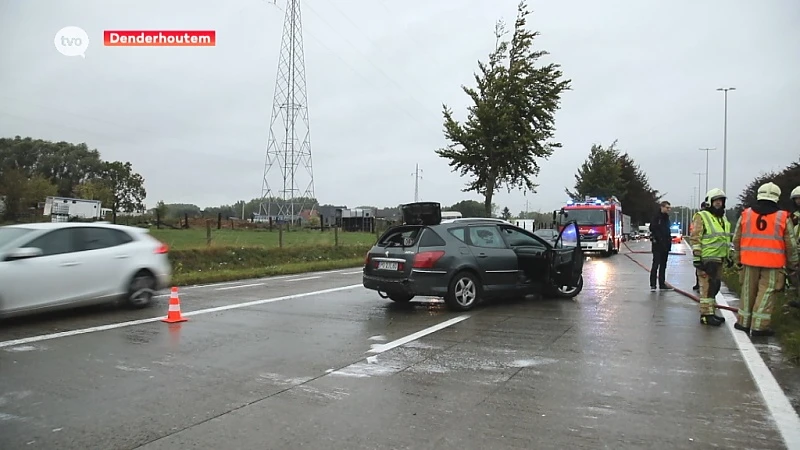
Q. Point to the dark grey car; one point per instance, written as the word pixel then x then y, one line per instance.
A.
pixel 466 262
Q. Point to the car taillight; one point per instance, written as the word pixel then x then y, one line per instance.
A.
pixel 162 249
pixel 366 259
pixel 426 260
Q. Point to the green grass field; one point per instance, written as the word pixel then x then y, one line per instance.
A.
pixel 785 321
pixel 195 238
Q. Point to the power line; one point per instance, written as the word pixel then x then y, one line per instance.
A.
pixel 355 71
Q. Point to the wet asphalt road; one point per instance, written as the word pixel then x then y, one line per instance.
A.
pixel 618 367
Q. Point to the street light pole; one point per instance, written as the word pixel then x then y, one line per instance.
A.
pixel 707 150
pixel 699 193
pixel 725 141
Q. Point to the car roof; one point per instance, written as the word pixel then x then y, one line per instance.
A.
pixel 57 225
pixel 475 219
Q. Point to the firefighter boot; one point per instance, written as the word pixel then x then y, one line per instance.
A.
pixel 720 318
pixel 740 327
pixel 710 319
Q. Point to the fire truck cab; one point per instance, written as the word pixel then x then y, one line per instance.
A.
pixel 599 223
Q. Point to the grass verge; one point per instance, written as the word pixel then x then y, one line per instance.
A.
pixel 195 238
pixel 785 321
pixel 218 264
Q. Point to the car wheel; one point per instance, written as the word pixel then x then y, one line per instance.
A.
pixel 464 292
pixel 570 292
pixel 141 290
pixel 401 298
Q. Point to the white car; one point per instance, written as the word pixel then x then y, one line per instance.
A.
pixel 46 266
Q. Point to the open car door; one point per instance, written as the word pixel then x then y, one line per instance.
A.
pixel 567 260
pixel 422 213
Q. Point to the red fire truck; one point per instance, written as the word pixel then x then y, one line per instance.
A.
pixel 599 222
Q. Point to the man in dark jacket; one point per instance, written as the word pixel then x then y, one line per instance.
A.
pixel 662 244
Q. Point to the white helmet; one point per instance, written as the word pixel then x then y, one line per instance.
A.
pixel 795 193
pixel 715 194
pixel 769 191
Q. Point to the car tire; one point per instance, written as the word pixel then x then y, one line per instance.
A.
pixel 464 292
pixel 560 292
pixel 141 291
pixel 401 298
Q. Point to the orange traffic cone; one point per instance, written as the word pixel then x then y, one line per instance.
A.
pixel 174 313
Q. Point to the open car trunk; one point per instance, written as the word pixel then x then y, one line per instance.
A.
pixel 422 213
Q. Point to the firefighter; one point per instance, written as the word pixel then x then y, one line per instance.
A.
pixel 795 277
pixel 696 286
pixel 764 246
pixel 795 197
pixel 711 245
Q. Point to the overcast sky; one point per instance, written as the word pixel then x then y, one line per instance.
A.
pixel 195 121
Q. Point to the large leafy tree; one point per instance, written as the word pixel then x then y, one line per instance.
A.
pixel 639 198
pixel 600 175
pixel 511 122
pixel 126 187
pixel 787 180
pixel 471 208
pixel 607 171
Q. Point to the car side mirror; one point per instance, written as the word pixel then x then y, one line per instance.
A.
pixel 24 253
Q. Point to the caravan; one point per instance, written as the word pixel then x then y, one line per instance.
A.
pixel 446 215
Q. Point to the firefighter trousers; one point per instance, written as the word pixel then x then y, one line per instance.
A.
pixel 710 281
pixel 759 286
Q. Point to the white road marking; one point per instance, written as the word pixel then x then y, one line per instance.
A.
pixel 413 337
pixel 784 415
pixel 352 273
pixel 786 419
pixel 303 279
pixel 226 283
pixel 45 337
pixel 239 286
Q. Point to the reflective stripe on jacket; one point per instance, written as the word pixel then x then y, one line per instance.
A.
pixel 763 247
pixel 715 243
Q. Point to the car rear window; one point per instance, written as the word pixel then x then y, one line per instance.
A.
pixel 430 239
pixel 403 236
pixel 9 234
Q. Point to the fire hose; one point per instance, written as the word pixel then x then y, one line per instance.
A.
pixel 680 291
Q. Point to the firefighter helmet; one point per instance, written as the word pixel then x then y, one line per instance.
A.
pixel 795 193
pixel 769 191
pixel 715 194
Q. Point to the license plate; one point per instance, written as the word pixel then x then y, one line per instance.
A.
pixel 383 265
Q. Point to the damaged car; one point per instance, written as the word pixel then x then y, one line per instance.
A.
pixel 471 261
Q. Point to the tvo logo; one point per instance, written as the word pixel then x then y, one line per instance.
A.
pixel 72 41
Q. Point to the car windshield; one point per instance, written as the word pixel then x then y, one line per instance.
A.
pixel 585 216
pixel 547 234
pixel 10 234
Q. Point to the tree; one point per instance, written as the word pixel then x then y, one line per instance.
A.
pixel 470 208
pixel 608 172
pixel 639 199
pixel 512 120
pixel 161 210
pixel 23 192
pixel 506 214
pixel 600 175
pixel 787 180
pixel 95 189
pixel 126 187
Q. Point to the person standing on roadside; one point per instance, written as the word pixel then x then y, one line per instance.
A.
pixel 711 247
pixel 661 240
pixel 795 277
pixel 764 246
pixel 703 207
